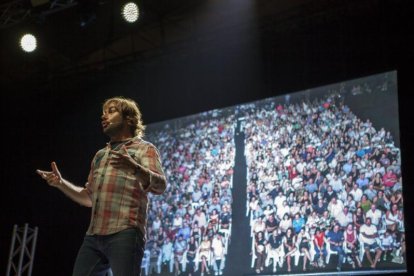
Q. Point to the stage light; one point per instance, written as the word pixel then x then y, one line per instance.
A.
pixel 28 42
pixel 130 12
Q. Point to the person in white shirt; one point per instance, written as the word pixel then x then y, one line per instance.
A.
pixel 177 221
pixel 374 214
pixel 368 233
pixel 285 223
pixel 295 208
pixel 156 224
pixel 300 165
pixel 253 204
pixel 167 251
pixel 204 254
pixel 330 175
pixel 378 169
pixel 259 225
pixel 387 243
pixel 335 207
pixel 313 220
pixel 356 192
pixel 218 254
pixel 350 202
pixel 336 184
pixel 281 211
pixel 279 199
pixel 200 218
pixel 345 217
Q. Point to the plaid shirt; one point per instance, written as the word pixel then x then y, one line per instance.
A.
pixel 119 197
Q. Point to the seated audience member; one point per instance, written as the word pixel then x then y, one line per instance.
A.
pixel 285 223
pixel 180 246
pixel 275 249
pixel 154 253
pixel 204 254
pixel 358 218
pixel 217 247
pixel 336 238
pixel 297 223
pixel 375 215
pixel 289 243
pixel 260 251
pixel 319 242
pixel 389 179
pixel 367 235
pixel 387 244
pixel 393 218
pixel 167 253
pixel 351 244
pixel 191 254
pixel 303 243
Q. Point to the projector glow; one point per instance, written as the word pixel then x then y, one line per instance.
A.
pixel 130 12
pixel 28 42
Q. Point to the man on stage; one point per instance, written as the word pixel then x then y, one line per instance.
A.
pixel 121 176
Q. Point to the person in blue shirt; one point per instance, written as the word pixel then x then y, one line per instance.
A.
pixel 185 231
pixel 180 246
pixel 362 181
pixel 311 186
pixel 335 240
pixel 298 222
pixel 347 168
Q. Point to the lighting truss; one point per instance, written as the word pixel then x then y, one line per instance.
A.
pixel 14 12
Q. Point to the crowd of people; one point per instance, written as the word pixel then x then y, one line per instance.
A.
pixel 189 226
pixel 321 182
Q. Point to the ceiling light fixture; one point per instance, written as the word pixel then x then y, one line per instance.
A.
pixel 130 12
pixel 28 42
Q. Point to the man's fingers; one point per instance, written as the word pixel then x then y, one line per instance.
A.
pixel 43 174
pixel 120 154
pixel 54 168
pixel 116 157
pixel 115 164
pixel 40 172
pixel 52 178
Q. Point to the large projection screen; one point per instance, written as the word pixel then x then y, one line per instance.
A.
pixel 304 183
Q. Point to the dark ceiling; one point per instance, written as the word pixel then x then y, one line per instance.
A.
pixel 66 47
pixel 87 33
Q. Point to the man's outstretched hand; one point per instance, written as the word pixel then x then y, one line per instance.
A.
pixel 53 178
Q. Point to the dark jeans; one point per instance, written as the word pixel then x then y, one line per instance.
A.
pixel 122 252
pixel 318 252
pixel 341 254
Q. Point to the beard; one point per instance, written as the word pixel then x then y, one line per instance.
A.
pixel 113 129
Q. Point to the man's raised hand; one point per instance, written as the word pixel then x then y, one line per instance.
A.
pixel 53 178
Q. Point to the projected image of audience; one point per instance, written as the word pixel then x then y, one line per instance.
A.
pixel 324 187
pixel 190 226
pixel 315 175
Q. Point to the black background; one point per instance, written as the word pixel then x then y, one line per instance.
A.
pixel 59 119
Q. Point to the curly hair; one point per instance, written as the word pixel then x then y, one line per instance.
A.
pixel 130 110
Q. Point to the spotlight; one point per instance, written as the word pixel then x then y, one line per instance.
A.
pixel 28 42
pixel 130 12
